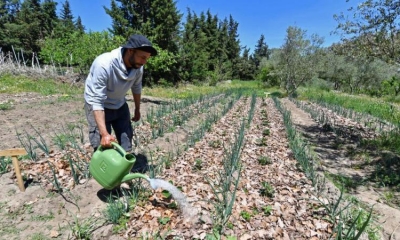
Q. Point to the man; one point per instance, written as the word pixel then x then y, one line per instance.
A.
pixel 111 76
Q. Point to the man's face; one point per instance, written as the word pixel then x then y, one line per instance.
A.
pixel 138 58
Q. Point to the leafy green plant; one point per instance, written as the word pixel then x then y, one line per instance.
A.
pixel 4 164
pixel 266 132
pixel 267 210
pixel 246 215
pixel 166 194
pixel 6 105
pixel 265 123
pixel 267 190
pixel 262 142
pixel 114 211
pixel 264 160
pixel 198 164
pixel 164 220
pixel 83 230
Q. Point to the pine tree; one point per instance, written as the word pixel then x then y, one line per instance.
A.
pixel 79 26
pixel 127 16
pixel 49 16
pixel 27 29
pixel 260 51
pixel 194 56
pixel 67 19
pixel 8 14
pixel 162 24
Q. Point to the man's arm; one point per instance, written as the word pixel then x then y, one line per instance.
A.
pixel 106 138
pixel 136 99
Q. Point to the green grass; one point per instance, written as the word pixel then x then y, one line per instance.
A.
pixel 358 103
pixel 6 105
pixel 18 84
pixel 189 90
pixel 348 183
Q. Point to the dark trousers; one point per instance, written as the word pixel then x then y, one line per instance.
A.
pixel 118 120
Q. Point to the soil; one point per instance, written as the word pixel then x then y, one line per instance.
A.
pixel 23 214
pixel 336 160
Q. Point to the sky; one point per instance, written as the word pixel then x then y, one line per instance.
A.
pixel 255 17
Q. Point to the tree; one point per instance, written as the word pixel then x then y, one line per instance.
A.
pixel 158 20
pixel 260 51
pixel 246 67
pixel 28 28
pixel 162 24
pixel 298 58
pixel 8 14
pixel 194 56
pixel 128 16
pixel 67 25
pixel 233 47
pixel 79 26
pixel 49 16
pixel 373 29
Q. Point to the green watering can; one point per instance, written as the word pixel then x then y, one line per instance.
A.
pixel 110 167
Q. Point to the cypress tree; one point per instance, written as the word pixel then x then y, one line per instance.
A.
pixel 261 51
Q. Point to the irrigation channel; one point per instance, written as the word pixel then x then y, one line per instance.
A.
pixel 242 170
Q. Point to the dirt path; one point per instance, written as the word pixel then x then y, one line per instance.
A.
pixel 336 161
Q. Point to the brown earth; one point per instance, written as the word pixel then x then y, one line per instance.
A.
pixel 335 160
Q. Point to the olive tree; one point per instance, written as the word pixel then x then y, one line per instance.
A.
pixel 298 58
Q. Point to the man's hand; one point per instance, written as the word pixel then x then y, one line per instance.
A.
pixel 106 140
pixel 136 117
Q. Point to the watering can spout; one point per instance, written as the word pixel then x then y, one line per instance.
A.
pixel 131 176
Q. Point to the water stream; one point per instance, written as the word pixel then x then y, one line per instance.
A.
pixel 188 211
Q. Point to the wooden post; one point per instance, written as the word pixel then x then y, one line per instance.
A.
pixel 14 153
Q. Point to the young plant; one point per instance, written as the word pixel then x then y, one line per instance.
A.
pixel 246 215
pixel 267 190
pixel 266 132
pixel 264 160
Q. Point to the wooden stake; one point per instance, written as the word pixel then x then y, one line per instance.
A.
pixel 14 153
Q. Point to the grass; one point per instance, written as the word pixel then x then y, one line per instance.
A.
pixel 43 218
pixel 189 90
pixel 362 104
pixel 6 105
pixel 4 163
pixel 19 84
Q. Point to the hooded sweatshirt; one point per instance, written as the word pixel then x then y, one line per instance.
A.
pixel 108 81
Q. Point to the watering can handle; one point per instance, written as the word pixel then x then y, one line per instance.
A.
pixel 117 146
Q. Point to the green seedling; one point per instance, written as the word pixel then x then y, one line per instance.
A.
pixel 267 190
pixel 215 143
pixel 267 210
pixel 266 132
pixel 261 142
pixel 166 194
pixel 265 123
pixel 198 164
pixel 264 160
pixel 245 215
pixel 163 220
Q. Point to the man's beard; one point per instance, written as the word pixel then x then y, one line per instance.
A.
pixel 133 63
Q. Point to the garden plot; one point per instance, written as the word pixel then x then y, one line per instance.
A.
pixel 364 172
pixel 237 172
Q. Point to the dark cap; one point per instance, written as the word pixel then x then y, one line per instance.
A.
pixel 140 42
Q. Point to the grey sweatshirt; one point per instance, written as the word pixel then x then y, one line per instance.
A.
pixel 108 81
